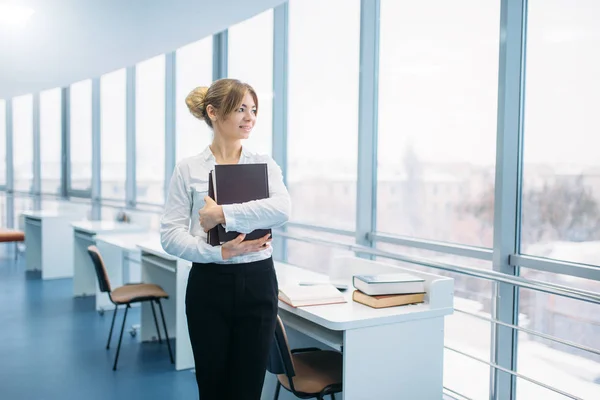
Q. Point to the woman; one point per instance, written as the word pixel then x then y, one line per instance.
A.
pixel 231 299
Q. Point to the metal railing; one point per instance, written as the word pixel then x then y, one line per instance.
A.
pixel 483 274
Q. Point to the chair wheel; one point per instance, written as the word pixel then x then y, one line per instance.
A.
pixel 101 312
pixel 133 332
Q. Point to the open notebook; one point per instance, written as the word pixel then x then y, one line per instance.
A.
pixel 312 295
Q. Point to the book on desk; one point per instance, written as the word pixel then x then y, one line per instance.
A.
pixel 301 295
pixel 234 184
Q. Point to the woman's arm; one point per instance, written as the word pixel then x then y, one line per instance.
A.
pixel 261 214
pixel 174 226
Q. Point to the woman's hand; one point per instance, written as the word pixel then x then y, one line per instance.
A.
pixel 211 214
pixel 238 247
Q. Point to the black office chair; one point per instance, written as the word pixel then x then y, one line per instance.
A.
pixel 127 295
pixel 308 372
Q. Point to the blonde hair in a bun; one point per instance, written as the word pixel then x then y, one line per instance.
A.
pixel 225 95
pixel 195 102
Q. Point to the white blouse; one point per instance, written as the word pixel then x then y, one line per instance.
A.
pixel 181 234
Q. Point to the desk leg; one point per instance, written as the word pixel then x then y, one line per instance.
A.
pixel 395 361
pixel 84 275
pixel 33 246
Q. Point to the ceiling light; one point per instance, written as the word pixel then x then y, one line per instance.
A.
pixel 14 15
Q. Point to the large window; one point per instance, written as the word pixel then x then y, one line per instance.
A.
pixel 51 140
pixel 23 142
pixel 561 171
pixel 323 111
pixel 253 40
pixel 561 190
pixel 113 134
pixel 80 145
pixel 2 144
pixel 438 81
pixel 194 68
pixel 150 130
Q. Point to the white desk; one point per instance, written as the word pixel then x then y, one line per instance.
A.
pixel 122 260
pixel 171 273
pixel 48 243
pixel 84 232
pixel 390 353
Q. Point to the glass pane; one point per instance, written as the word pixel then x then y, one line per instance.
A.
pixel 150 130
pixel 557 365
pixel 81 135
pixel 194 68
pixel 315 257
pixel 23 142
pixel 561 171
pixel 51 140
pixel 113 134
pixel 253 40
pixel 2 144
pixel 438 80
pixel 22 203
pixel 323 111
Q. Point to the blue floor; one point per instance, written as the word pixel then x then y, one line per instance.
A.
pixel 52 346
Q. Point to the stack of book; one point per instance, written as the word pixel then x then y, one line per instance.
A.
pixel 388 290
pixel 233 184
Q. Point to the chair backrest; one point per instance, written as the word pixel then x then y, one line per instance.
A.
pixel 100 268
pixel 280 356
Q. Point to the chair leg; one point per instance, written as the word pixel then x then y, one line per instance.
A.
pixel 155 321
pixel 332 396
pixel 277 389
pixel 111 327
pixel 162 314
pixel 120 338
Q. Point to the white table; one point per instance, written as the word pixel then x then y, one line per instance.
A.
pixel 171 273
pixel 390 353
pixel 83 235
pixel 48 243
pixel 122 260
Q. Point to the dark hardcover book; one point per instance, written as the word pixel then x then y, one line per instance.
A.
pixel 240 183
pixel 212 237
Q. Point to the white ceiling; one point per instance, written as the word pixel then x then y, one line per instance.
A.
pixel 69 40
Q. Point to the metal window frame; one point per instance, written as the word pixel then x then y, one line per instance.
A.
pixel 505 299
pixel 36 186
pixel 280 104
pixel 220 55
pixel 9 187
pixel 170 118
pixel 65 101
pixel 475 252
pixel 586 271
pixel 96 192
pixel 366 184
pixel 130 131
